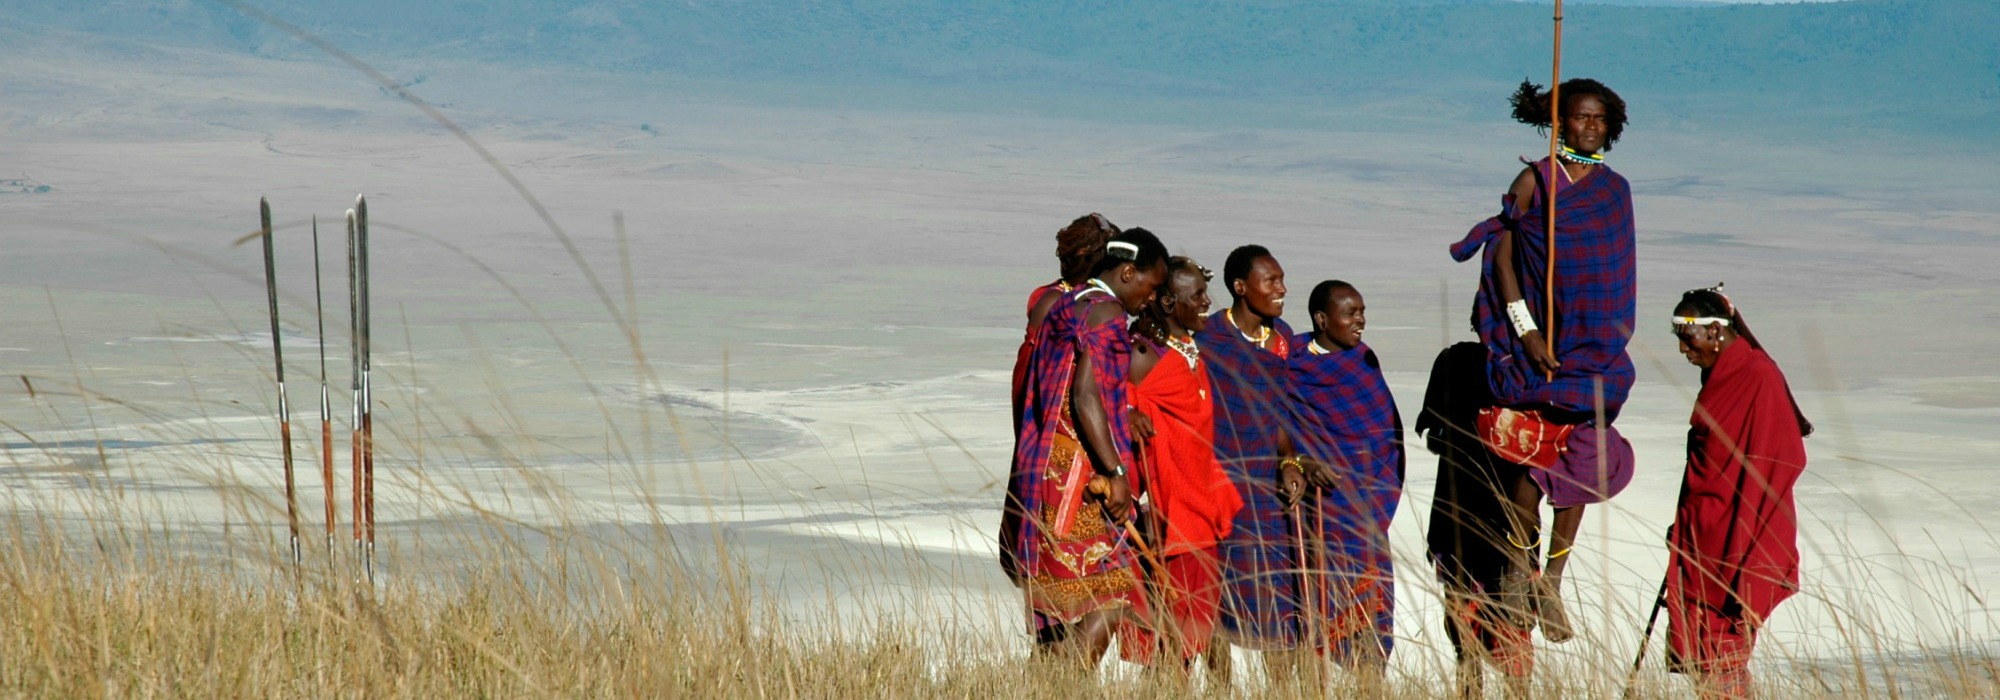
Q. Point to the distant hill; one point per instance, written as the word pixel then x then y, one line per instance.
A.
pixel 1907 65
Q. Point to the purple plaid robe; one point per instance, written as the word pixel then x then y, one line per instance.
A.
pixel 1348 420
pixel 1259 567
pixel 1028 550
pixel 1596 285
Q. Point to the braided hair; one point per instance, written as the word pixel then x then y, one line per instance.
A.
pixel 1710 301
pixel 1531 105
pixel 1081 243
pixel 1153 320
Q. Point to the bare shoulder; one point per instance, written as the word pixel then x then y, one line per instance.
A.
pixel 1043 305
pixel 1101 313
pixel 1524 185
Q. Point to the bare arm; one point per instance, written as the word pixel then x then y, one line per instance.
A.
pixel 1093 422
pixel 1536 341
pixel 1144 357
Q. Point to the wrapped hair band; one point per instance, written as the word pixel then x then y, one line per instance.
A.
pixel 1698 320
pixel 1122 250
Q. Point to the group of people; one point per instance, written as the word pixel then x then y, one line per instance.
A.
pixel 1186 480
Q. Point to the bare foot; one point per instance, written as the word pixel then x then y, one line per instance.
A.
pixel 1549 607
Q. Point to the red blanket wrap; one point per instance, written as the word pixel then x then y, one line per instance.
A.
pixel 1735 537
pixel 1188 488
pixel 1186 483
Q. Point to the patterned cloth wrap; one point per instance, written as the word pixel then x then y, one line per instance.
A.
pixel 1259 566
pixel 1573 464
pixel 1091 568
pixel 1027 350
pixel 1348 421
pixel 1596 285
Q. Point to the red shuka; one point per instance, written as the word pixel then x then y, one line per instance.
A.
pixel 1735 536
pixel 1185 482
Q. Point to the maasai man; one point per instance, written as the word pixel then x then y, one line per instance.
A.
pixel 1067 491
pixel 1078 246
pixel 1192 502
pixel 1734 543
pixel 1245 347
pixel 1554 404
pixel 1349 422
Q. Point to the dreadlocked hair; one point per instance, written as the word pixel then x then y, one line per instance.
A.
pixel 1710 301
pixel 1531 105
pixel 1152 323
pixel 1081 243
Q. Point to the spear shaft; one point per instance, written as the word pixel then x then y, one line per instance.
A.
pixel 325 398
pixel 1555 137
pixel 278 359
pixel 354 374
pixel 367 388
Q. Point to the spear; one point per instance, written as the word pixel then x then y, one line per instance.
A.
pixel 367 389
pixel 1555 136
pixel 354 373
pixel 325 400
pixel 278 357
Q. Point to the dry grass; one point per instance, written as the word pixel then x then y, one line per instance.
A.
pixel 109 611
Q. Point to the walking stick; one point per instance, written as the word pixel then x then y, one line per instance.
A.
pixel 1096 488
pixel 1555 136
pixel 1319 552
pixel 1659 601
pixel 1306 596
pixel 325 401
pixel 278 357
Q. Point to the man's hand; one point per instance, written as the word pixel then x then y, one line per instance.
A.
pixel 1114 493
pixel 1321 475
pixel 1539 353
pixel 1291 485
pixel 1142 427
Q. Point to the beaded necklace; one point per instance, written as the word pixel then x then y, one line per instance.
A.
pixel 1187 348
pixel 1572 156
pixel 1263 334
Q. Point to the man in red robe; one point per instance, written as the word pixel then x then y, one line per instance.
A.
pixel 1192 500
pixel 1734 542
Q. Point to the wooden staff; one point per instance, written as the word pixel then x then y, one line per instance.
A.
pixel 325 401
pixel 1319 553
pixel 278 357
pixel 1555 137
pixel 1306 597
pixel 1659 601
